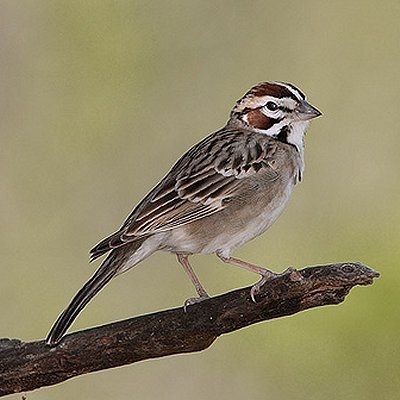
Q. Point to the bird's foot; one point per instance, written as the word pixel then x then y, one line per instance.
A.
pixel 266 276
pixel 195 300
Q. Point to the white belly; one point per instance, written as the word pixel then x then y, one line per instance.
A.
pixel 183 239
pixel 227 242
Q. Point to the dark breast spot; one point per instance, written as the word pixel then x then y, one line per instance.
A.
pixel 283 134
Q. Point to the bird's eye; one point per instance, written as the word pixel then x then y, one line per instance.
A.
pixel 271 106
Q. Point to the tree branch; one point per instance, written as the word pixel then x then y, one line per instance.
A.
pixel 27 366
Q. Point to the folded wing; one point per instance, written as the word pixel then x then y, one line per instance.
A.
pixel 199 184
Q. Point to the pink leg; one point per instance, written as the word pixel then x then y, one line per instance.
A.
pixel 183 260
pixel 266 274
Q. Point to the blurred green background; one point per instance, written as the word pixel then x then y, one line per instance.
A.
pixel 99 98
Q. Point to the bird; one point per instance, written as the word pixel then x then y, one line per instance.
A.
pixel 226 190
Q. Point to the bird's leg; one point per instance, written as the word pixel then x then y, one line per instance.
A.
pixel 266 274
pixel 203 295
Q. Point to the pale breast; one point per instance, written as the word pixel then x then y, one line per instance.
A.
pixel 253 219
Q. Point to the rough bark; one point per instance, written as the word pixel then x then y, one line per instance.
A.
pixel 27 366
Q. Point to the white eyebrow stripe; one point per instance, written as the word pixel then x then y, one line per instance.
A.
pixel 299 95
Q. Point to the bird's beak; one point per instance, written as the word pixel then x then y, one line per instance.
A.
pixel 306 111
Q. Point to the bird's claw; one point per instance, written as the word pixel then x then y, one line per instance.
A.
pixel 194 300
pixel 265 277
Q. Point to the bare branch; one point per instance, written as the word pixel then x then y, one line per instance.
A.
pixel 27 366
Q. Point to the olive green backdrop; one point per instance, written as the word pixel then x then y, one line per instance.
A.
pixel 99 98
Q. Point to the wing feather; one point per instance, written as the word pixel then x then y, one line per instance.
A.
pixel 198 185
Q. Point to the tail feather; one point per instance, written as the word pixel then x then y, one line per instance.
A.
pixel 118 261
pixel 103 247
pixel 80 300
pixel 112 242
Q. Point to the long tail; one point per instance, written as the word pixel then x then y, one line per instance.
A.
pixel 110 267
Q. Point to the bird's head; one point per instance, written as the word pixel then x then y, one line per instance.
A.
pixel 276 109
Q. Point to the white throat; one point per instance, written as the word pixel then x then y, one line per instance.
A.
pixel 296 138
pixel 296 134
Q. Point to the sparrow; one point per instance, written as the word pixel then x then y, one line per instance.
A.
pixel 226 190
